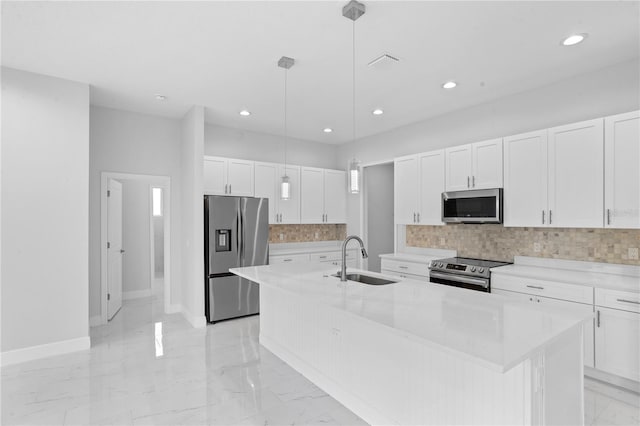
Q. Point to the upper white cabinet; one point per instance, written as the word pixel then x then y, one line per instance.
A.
pixel 554 177
pixel 474 166
pixel 267 184
pixel 622 171
pixel 525 179
pixel 323 195
pixel 576 175
pixel 226 176
pixel 418 187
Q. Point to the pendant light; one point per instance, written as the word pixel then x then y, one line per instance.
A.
pixel 285 185
pixel 353 10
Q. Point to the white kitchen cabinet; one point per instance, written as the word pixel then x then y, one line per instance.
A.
pixel 323 195
pixel 474 166
pixel 268 177
pixel 622 170
pixel 576 175
pixel 525 179
pixel 418 186
pixel 227 176
pixel 618 342
pixel 561 305
pixel 405 269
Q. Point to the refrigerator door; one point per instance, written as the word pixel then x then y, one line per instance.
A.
pixel 223 234
pixel 255 231
pixel 231 297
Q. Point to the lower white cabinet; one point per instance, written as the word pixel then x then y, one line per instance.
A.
pixel 332 257
pixel 617 334
pixel 405 269
pixel 561 305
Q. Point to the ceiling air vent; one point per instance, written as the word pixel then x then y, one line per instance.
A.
pixel 383 61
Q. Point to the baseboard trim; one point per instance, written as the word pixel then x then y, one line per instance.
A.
pixel 31 353
pixel 136 294
pixel 196 321
pixel 622 382
pixel 173 309
pixel 95 321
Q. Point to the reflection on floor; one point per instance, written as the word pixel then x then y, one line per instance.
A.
pixel 146 367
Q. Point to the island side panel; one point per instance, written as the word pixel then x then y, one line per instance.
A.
pixel 384 377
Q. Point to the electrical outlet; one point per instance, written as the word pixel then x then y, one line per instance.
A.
pixel 633 253
pixel 441 241
pixel 537 247
pixel 281 237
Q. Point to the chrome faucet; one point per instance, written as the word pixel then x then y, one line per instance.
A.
pixel 343 270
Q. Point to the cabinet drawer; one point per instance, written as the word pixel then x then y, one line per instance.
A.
pixel 406 267
pixel 288 259
pixel 325 256
pixel 351 263
pixel 404 275
pixel 570 292
pixel 616 299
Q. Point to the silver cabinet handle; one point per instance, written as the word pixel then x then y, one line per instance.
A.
pixel 122 251
pixel 608 216
pixel 543 217
pixel 287 260
pixel 468 182
pixel 628 301
pixel 326 217
pixel 229 188
pixel 418 217
pixel 280 217
pixel 550 217
pixel 536 287
pixel 225 188
pixel 598 318
pixel 473 181
pixel 403 267
pixel 414 217
pixel 323 257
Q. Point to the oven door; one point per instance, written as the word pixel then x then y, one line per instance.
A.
pixel 472 283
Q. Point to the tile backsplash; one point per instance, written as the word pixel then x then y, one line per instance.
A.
pixel 306 233
pixel 499 243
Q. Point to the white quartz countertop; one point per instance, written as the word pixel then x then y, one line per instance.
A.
pixel 490 329
pixel 615 277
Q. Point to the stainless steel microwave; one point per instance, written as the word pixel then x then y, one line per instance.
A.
pixel 473 206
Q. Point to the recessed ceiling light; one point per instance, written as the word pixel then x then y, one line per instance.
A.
pixel 327 130
pixel 449 85
pixel 573 39
pixel 245 113
pixel 377 111
pixel 160 97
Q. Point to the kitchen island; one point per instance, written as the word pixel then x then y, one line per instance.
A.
pixel 419 353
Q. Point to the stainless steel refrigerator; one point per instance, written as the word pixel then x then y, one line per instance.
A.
pixel 236 234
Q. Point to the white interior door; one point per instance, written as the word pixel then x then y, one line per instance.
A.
pixel 114 248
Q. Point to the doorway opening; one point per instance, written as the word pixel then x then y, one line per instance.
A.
pixel 378 221
pixel 137 209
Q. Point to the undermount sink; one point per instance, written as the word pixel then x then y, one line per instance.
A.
pixel 367 279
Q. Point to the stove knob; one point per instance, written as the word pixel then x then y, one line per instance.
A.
pixel 473 269
pixel 481 270
pixel 441 265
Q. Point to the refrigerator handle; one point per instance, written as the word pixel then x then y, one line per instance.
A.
pixel 242 232
pixel 238 236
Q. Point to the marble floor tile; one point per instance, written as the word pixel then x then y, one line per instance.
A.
pixel 149 368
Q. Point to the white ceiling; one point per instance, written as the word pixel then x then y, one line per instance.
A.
pixel 223 55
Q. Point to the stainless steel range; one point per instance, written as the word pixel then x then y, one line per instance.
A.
pixel 474 274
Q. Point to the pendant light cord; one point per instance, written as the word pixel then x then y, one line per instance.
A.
pixel 354 85
pixel 285 121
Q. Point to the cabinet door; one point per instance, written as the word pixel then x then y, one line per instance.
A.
pixel 458 167
pixel 240 178
pixel 525 180
pixel 618 342
pixel 622 171
pixel 405 183
pixel 289 210
pixel 335 196
pixel 576 175
pixel 487 164
pixel 311 195
pixel 431 188
pixel 267 186
pixel 215 176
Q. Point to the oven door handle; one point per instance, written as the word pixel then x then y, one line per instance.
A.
pixel 458 278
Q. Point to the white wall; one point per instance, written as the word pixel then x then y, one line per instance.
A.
pixel 236 143
pixel 45 217
pixel 136 262
pixel 128 142
pixel 192 152
pixel 608 91
pixel 158 245
pixel 378 193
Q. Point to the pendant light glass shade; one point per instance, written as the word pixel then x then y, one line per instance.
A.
pixel 285 188
pixel 354 176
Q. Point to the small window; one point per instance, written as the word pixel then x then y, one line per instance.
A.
pixel 157 201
